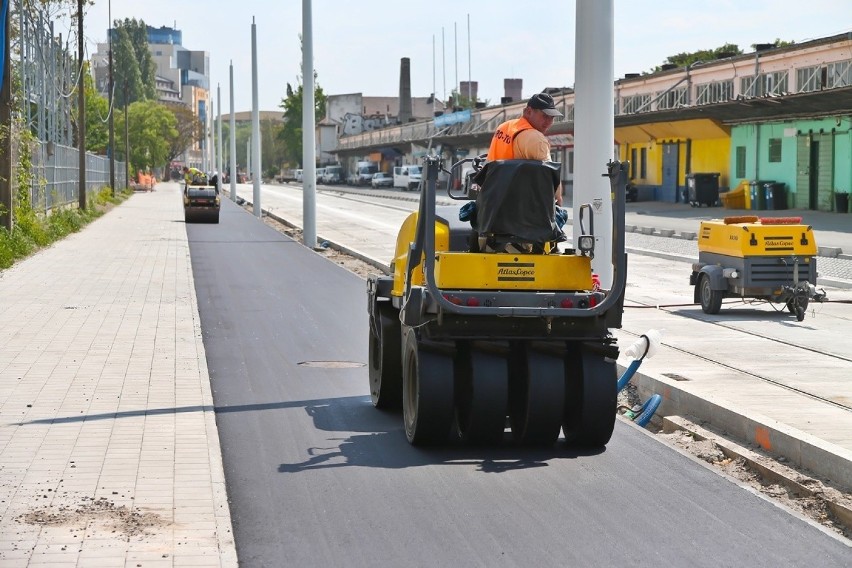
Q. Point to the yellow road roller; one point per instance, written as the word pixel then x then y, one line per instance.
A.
pixel 749 257
pixel 487 331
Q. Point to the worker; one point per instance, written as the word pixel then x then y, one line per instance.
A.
pixel 194 176
pixel 523 138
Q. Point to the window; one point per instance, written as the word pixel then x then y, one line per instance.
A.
pixel 636 103
pixel 774 149
pixel 643 163
pixel 674 98
pixel 740 162
pixel 810 79
pixel 633 163
pixel 714 92
pixel 764 84
pixel 839 74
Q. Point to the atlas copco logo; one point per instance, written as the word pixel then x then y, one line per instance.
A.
pixel 516 272
pixel 511 272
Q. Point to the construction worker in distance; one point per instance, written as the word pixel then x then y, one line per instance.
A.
pixel 523 138
pixel 194 176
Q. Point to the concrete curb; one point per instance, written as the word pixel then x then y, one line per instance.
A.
pixel 802 449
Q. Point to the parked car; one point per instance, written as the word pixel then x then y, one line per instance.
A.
pixel 381 179
pixel 299 176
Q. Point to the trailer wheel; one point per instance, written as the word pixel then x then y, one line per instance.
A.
pixel 482 394
pixel 591 394
pixel 427 391
pixel 793 304
pixel 385 358
pixel 536 395
pixel 711 300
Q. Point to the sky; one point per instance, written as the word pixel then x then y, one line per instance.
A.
pixel 358 44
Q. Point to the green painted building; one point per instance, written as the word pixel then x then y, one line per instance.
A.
pixel 811 157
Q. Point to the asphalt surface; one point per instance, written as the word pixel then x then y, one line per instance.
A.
pixel 316 476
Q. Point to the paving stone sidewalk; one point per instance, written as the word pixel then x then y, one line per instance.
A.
pixel 109 454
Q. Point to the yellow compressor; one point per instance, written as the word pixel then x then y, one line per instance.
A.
pixel 768 258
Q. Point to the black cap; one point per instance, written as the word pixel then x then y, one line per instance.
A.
pixel 544 103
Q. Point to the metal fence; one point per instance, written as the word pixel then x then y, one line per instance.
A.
pixel 56 175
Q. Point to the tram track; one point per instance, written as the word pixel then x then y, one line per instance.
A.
pixel 717 361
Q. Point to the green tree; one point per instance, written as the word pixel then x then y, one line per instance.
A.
pixel 134 71
pixel 291 132
pixel 137 30
pixel 188 128
pixel 97 115
pixel 702 55
pixel 151 126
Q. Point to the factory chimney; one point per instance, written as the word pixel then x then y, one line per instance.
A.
pixel 513 89
pixel 405 90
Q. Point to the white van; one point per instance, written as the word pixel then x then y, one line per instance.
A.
pixel 320 173
pixel 298 176
pixel 332 175
pixel 407 177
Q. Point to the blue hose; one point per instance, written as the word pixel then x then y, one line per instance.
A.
pixel 648 410
pixel 628 374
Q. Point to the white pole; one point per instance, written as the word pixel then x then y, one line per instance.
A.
pixel 434 88
pixel 255 122
pixel 594 129
pixel 456 53
pixel 233 137
pixel 309 166
pixel 444 63
pixel 219 138
pixel 469 75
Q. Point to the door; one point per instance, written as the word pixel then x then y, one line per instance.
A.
pixel 803 173
pixel 670 167
pixel 813 175
pixel 823 166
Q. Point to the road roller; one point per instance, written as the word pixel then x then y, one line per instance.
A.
pixel 488 330
pixel 201 203
pixel 756 258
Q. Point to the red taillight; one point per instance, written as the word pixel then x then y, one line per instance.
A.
pixel 567 303
pixel 593 301
pixel 453 299
pixel 472 301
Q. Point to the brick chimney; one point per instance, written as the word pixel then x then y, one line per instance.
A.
pixel 513 89
pixel 405 90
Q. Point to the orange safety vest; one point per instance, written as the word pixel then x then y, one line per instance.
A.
pixel 501 144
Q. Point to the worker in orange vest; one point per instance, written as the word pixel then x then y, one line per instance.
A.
pixel 523 138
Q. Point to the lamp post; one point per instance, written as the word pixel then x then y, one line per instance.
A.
pixel 111 104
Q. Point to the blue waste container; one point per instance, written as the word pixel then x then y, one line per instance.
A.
pixel 757 190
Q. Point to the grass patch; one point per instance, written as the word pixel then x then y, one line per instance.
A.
pixel 32 232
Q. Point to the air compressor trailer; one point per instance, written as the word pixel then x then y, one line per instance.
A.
pixel 750 257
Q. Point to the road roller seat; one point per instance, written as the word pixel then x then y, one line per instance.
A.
pixel 515 206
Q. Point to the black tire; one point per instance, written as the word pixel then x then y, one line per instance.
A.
pixel 536 395
pixel 591 394
pixel 711 300
pixel 427 391
pixel 385 358
pixel 481 393
pixel 802 303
